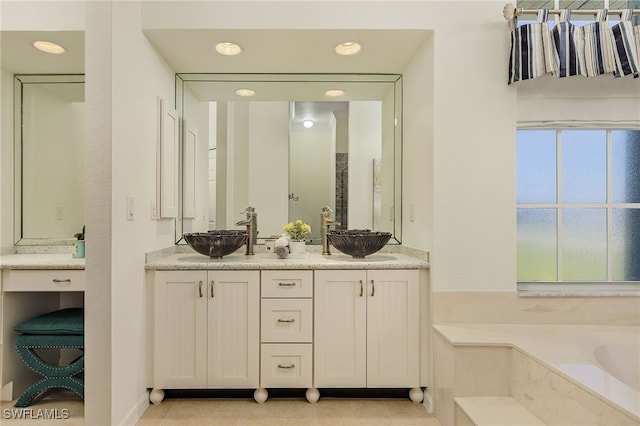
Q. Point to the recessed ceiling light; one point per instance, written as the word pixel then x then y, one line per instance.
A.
pixel 307 123
pixel 334 93
pixel 49 47
pixel 348 48
pixel 228 48
pixel 245 92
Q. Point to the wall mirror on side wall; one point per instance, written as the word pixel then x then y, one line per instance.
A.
pixel 49 158
pixel 288 145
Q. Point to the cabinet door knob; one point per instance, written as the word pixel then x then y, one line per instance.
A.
pixel 373 288
pixel 200 288
pixel 212 282
pixel 286 367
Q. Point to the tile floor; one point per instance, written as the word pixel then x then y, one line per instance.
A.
pixel 287 411
pixel 280 411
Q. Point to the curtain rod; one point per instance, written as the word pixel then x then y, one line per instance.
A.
pixel 509 11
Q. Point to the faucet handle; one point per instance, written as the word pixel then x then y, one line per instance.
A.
pixel 327 209
pixel 249 210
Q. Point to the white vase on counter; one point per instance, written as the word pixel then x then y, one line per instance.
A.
pixel 297 247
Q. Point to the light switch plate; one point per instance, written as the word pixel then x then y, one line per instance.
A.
pixel 131 208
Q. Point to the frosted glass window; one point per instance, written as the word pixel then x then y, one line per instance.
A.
pixel 626 244
pixel 578 206
pixel 625 166
pixel 584 244
pixel 537 248
pixel 536 166
pixel 584 166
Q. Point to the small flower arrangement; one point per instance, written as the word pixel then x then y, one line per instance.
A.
pixel 296 231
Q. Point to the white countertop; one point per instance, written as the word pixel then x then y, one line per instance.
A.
pixel 40 261
pixel 194 261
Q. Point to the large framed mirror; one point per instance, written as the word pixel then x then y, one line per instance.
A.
pixel 49 158
pixel 288 145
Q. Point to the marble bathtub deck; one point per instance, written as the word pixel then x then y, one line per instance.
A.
pixel 566 349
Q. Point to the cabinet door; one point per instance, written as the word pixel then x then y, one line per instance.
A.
pixel 180 321
pixel 234 329
pixel 393 339
pixel 340 329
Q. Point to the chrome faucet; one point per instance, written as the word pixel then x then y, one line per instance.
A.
pixel 251 222
pixel 325 223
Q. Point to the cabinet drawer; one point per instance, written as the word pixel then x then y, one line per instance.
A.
pixel 43 280
pixel 286 320
pixel 287 283
pixel 286 366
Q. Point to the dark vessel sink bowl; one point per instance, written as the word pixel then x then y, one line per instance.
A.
pixel 216 244
pixel 358 242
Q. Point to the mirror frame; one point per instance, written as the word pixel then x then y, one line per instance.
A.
pixel 182 78
pixel 19 81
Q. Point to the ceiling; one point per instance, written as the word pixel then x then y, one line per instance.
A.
pixel 287 51
pixel 20 57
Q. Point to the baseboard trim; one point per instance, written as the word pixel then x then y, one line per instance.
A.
pixel 428 401
pixel 136 412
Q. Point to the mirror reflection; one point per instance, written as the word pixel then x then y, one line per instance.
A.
pixel 288 150
pixel 49 157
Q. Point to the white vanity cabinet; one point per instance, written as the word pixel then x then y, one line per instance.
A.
pixel 366 330
pixel 206 330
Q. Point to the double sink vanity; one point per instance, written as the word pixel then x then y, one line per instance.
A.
pixel 253 322
pixel 312 322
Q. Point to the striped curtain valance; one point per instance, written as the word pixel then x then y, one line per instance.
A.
pixel 569 50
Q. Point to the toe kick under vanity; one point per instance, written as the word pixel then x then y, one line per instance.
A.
pixel 255 322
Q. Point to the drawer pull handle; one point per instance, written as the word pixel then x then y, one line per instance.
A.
pixel 283 320
pixel 59 281
pixel 286 367
pixel 286 284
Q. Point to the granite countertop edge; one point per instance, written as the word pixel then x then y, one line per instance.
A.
pixel 194 261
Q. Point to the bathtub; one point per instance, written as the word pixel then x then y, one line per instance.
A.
pixel 602 360
pixel 622 361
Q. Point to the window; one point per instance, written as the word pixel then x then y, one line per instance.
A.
pixel 578 208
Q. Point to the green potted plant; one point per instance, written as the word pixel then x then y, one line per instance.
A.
pixel 296 232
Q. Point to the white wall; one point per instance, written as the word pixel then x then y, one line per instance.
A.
pixel 417 145
pixel 138 76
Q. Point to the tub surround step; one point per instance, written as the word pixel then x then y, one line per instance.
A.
pixel 494 411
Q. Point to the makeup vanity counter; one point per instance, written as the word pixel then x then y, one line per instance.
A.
pixel 40 261
pixel 311 322
pixel 33 284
